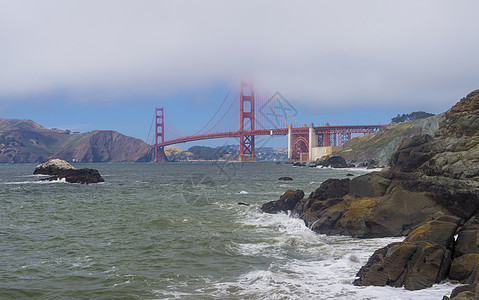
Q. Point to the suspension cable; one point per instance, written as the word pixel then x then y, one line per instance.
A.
pixel 231 105
pixel 149 132
pixel 181 133
pixel 272 110
pixel 283 108
pixel 224 100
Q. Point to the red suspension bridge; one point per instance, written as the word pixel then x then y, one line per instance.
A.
pixel 254 112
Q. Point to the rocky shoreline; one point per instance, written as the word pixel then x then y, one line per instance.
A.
pixel 429 192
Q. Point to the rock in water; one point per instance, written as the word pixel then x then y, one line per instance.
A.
pixel 285 178
pixel 335 162
pixel 418 262
pixel 286 202
pixel 53 167
pixel 60 169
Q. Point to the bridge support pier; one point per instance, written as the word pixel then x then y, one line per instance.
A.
pixel 290 142
pixel 298 145
pixel 313 141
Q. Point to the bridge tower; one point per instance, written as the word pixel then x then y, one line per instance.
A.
pixel 246 114
pixel 159 134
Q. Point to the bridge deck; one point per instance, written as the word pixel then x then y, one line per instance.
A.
pixel 276 131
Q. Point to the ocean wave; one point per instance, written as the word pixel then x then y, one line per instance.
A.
pixel 60 180
pixel 365 170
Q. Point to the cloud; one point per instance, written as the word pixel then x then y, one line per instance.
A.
pixel 338 53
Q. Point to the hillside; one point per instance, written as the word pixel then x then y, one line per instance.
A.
pixel 24 141
pixel 226 152
pixel 380 145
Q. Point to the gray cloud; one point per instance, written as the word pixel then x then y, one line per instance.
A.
pixel 337 52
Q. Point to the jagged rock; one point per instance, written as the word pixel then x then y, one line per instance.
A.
pixel 465 268
pixel 53 167
pixel 464 292
pixel 369 185
pixel 467 242
pixel 429 177
pixel 286 202
pixel 468 238
pixel 418 262
pixel 440 216
pixel 435 232
pixel 335 162
pixel 84 176
pixel 331 188
pixel 407 204
pixel 285 178
pixel 60 169
pixel 412 265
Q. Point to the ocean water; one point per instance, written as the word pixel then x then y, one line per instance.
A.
pixel 175 230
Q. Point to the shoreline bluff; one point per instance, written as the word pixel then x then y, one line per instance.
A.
pixel 429 192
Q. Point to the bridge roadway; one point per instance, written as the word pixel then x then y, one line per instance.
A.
pixel 276 131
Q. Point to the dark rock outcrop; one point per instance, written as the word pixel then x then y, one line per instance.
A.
pixel 427 174
pixel 62 170
pixel 464 292
pixel 285 178
pixel 418 262
pixel 429 177
pixel 335 162
pixel 467 241
pixel 285 203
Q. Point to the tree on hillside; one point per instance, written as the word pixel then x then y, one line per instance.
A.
pixel 416 115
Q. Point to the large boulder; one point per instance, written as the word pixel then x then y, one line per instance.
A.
pixel 61 169
pixel 335 162
pixel 465 268
pixel 418 262
pixel 331 188
pixel 468 238
pixel 373 184
pixel 53 167
pixel 387 205
pixel 431 176
pixel 464 292
pixel 286 202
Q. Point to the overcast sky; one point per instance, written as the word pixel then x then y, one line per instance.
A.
pixel 107 64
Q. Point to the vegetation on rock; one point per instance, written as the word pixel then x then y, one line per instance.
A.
pixel 411 117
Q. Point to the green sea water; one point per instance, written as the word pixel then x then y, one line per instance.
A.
pixel 175 230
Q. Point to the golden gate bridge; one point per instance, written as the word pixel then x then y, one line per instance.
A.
pixel 254 112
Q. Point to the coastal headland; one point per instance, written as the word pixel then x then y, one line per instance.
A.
pixel 429 192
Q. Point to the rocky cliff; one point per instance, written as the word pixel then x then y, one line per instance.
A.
pixel 427 176
pixel 24 141
pixel 380 145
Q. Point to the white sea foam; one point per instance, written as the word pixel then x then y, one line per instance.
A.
pixel 323 267
pixel 365 170
pixel 61 180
